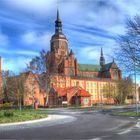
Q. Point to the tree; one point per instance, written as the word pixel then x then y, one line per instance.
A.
pixel 13 88
pixel 38 64
pixel 124 89
pixel 5 76
pixel 20 90
pixel 119 90
pixel 128 54
pixel 109 92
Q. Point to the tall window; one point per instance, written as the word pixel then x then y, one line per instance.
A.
pixel 114 74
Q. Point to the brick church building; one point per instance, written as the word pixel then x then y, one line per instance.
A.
pixel 75 83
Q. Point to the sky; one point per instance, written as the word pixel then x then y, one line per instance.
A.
pixel 26 27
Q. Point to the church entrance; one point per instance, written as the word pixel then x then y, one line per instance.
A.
pixel 76 100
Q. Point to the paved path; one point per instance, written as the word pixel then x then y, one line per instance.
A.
pixel 88 125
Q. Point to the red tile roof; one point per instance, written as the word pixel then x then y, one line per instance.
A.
pixel 84 93
pixel 72 91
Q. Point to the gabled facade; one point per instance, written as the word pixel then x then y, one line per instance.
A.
pixel 69 96
pixel 33 90
pixel 111 71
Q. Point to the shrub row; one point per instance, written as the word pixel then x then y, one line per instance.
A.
pixel 7 106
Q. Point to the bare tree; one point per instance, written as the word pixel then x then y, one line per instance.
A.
pixel 20 91
pixel 40 67
pixel 13 88
pixel 38 64
pixel 5 78
pixel 128 54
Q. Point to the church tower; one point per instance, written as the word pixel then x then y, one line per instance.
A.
pixel 59 47
pixel 102 59
pixel 58 40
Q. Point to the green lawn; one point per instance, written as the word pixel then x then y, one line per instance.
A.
pixel 127 114
pixel 20 116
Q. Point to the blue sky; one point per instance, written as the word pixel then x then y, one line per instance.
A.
pixel 26 27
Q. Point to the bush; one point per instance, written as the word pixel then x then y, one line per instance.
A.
pixel 8 113
pixel 6 106
pixel 27 107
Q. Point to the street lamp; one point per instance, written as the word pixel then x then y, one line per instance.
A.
pixel 135 79
pixel 135 86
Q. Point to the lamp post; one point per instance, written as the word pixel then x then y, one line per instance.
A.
pixel 135 79
pixel 135 87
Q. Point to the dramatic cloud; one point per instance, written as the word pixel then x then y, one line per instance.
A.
pixel 39 7
pixel 16 64
pixel 26 27
pixel 32 38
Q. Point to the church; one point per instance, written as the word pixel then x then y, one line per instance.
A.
pixel 73 83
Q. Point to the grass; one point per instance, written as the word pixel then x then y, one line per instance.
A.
pixel 126 114
pixel 21 116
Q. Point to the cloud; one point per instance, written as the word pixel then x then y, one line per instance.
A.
pixel 88 26
pixel 129 8
pixel 9 64
pixel 33 38
pixel 29 38
pixel 35 6
pixel 92 53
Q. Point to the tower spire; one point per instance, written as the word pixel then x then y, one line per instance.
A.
pixel 101 52
pixel 58 24
pixel 58 17
pixel 113 60
pixel 102 59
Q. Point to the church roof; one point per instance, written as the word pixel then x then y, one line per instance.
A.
pixel 88 67
pixel 108 66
